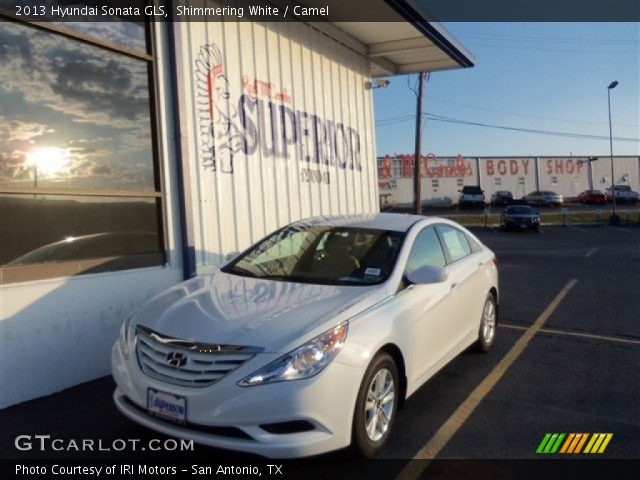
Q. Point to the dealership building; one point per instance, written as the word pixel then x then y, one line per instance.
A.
pixel 137 155
pixel 443 177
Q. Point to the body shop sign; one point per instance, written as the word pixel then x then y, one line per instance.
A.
pixel 258 117
pixel 524 166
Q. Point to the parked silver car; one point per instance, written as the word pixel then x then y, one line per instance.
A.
pixel 544 198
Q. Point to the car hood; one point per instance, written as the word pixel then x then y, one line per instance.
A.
pixel 221 308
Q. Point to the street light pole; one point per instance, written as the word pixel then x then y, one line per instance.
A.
pixel 611 86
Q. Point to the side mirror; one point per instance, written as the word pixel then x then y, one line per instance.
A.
pixel 427 274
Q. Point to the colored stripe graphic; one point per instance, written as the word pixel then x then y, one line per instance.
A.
pixel 581 442
pixel 550 443
pixel 573 443
pixel 543 443
pixel 598 442
pixel 567 443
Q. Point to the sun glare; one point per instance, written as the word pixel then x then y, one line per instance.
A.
pixel 48 161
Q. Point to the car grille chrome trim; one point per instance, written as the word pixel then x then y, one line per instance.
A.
pixel 200 364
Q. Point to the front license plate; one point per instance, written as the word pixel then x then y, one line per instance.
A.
pixel 167 406
pixel 523 226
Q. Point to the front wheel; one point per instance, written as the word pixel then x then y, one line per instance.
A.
pixel 376 406
pixel 488 322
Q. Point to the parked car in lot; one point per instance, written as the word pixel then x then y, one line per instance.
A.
pixel 520 217
pixel 624 194
pixel 544 198
pixel 310 340
pixel 502 198
pixel 592 196
pixel 471 195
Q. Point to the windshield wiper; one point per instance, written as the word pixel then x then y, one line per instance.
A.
pixel 241 271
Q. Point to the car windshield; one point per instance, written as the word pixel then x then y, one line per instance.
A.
pixel 548 193
pixel 472 190
pixel 520 210
pixel 623 188
pixel 503 193
pixel 330 255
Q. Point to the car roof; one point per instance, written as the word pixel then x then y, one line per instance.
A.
pixel 398 222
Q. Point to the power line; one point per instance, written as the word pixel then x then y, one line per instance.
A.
pixel 556 50
pixel 441 118
pixel 546 38
pixel 527 115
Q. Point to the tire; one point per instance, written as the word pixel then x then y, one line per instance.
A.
pixel 486 339
pixel 536 229
pixel 364 444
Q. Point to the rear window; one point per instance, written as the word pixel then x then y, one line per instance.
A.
pixel 623 188
pixel 472 190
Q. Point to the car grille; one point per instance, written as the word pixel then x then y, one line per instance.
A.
pixel 185 362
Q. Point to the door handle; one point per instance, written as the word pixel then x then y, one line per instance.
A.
pixel 454 285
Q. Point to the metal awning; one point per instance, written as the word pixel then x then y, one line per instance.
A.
pixel 407 43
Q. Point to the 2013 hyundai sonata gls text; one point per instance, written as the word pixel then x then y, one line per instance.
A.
pixel 310 340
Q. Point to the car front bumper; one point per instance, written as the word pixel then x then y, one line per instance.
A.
pixel 228 416
pixel 521 224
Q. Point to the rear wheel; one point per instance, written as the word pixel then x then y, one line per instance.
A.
pixel 488 322
pixel 376 406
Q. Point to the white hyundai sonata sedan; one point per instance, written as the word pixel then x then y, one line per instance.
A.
pixel 311 339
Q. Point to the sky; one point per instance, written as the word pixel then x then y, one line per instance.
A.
pixel 541 76
pixel 73 115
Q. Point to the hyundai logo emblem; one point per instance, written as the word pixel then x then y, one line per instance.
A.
pixel 176 359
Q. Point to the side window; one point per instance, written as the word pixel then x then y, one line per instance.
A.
pixel 426 250
pixel 475 246
pixel 455 242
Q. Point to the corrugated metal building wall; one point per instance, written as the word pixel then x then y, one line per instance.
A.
pixel 293 130
pixel 627 171
pixel 515 174
pixel 567 176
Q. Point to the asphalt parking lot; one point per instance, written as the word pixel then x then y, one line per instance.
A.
pixel 569 309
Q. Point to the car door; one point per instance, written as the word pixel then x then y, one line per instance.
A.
pixel 425 308
pixel 467 284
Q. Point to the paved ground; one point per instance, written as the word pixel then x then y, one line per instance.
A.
pixel 579 373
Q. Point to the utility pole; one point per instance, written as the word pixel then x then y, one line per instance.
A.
pixel 417 204
pixel 614 216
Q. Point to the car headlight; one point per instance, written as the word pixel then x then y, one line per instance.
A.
pixel 124 335
pixel 303 362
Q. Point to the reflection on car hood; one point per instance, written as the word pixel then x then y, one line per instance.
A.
pixel 229 309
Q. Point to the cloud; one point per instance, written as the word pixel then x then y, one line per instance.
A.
pixel 90 102
pixel 101 170
pixel 14 129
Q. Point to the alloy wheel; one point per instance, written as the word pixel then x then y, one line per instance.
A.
pixel 488 321
pixel 379 404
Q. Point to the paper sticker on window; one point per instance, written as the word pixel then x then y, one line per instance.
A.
pixel 372 271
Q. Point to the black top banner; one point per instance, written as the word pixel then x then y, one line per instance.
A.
pixel 323 10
